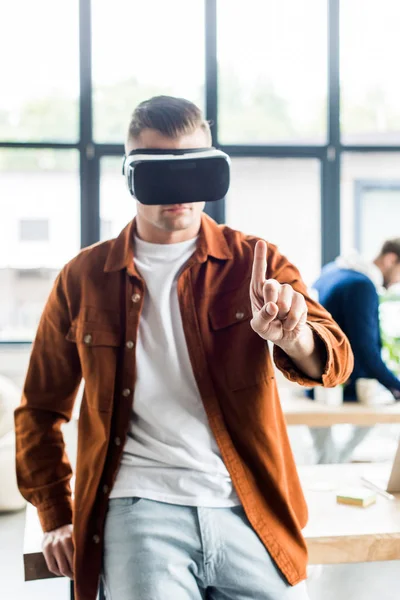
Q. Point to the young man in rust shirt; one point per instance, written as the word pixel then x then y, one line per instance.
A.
pixel 186 486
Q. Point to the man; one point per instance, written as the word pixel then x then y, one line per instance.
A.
pixel 349 289
pixel 185 482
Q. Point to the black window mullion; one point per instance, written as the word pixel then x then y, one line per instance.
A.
pixel 211 83
pixel 40 145
pixel 216 210
pixel 330 187
pixel 89 163
pixel 252 151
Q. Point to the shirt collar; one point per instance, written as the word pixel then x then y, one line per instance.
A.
pixel 355 262
pixel 211 242
pixel 376 275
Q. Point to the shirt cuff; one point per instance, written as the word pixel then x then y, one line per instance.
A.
pixel 285 364
pixel 55 515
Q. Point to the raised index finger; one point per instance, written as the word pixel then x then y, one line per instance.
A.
pixel 259 264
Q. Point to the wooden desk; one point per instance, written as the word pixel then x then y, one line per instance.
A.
pixel 301 411
pixel 335 533
pixel 349 534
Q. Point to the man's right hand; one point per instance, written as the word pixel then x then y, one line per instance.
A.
pixel 58 550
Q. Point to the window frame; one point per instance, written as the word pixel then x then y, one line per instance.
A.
pixel 329 154
pixel 368 185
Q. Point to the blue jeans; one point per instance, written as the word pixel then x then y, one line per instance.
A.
pixel 157 551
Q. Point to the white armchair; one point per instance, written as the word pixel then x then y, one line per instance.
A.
pixel 10 498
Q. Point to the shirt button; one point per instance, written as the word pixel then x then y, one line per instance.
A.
pixel 126 392
pixel 117 441
pixel 105 489
pixel 239 315
pixel 87 339
pixel 96 539
pixel 136 298
pixel 130 344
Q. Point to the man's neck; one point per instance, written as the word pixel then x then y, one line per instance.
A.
pixel 154 235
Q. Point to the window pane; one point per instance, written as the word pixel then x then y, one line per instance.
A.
pixel 34 230
pixel 117 207
pixel 272 61
pixel 142 49
pixel 39 232
pixel 279 200
pixel 370 205
pixel 39 44
pixel 370 88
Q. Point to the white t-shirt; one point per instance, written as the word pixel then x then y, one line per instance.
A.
pixel 170 453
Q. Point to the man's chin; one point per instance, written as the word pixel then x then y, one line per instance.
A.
pixel 177 223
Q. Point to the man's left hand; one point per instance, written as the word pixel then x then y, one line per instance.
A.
pixel 279 312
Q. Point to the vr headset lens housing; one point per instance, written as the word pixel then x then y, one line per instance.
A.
pixel 177 177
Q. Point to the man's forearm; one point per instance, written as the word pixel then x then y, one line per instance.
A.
pixel 370 358
pixel 308 354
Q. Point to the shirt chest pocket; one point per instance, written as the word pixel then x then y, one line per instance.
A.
pixel 237 351
pixel 98 350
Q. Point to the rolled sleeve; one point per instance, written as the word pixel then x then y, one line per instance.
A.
pixel 55 514
pixel 331 375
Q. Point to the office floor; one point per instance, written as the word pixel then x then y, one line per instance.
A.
pixel 345 582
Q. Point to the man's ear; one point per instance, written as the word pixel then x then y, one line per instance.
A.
pixel 391 259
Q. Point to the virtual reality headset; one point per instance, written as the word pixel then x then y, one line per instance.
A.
pixel 177 176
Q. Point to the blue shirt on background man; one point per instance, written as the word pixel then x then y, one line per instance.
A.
pixel 352 299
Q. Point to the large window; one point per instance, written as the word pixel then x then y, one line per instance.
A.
pixel 34 230
pixel 279 200
pixel 117 207
pixel 39 49
pixel 303 95
pixel 272 59
pixel 142 49
pixel 370 47
pixel 370 207
pixel 39 232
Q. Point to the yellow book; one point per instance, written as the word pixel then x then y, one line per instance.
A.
pixel 356 496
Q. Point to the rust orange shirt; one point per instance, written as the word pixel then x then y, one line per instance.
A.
pixel 88 330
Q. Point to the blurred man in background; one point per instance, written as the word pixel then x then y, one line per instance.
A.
pixel 349 289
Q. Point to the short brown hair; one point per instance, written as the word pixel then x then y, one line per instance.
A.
pixel 168 115
pixel 391 246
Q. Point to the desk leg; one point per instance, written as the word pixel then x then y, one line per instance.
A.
pixel 102 595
